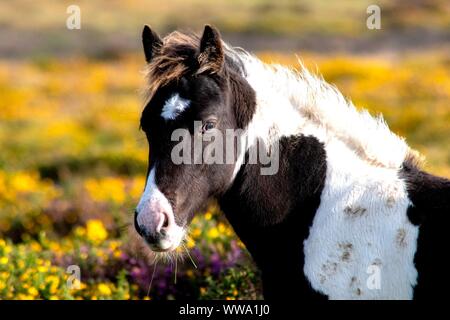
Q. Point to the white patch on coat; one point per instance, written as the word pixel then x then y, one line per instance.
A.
pixel 361 221
pixel 364 203
pixel 153 202
pixel 174 106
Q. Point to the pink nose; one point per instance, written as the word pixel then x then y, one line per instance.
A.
pixel 163 223
pixel 155 219
pixel 154 227
pixel 155 222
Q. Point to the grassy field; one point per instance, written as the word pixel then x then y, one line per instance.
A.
pixel 261 16
pixel 112 27
pixel 73 160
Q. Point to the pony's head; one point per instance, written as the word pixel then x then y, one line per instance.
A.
pixel 196 92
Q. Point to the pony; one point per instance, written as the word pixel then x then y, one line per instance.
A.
pixel 348 214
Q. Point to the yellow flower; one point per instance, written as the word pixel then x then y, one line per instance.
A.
pixel 95 231
pixel 36 247
pixel 33 292
pixel 190 243
pixel 83 286
pixel 117 254
pixel 25 276
pixel 137 187
pixel 106 189
pixel 208 215
pixel 113 245
pixel 4 260
pixel 21 264
pixel 104 289
pixel 7 249
pixel 213 233
pixel 42 269
pixel 196 232
pixel 83 255
pixel 54 283
pixel 190 273
pixel 80 231
pixel 222 228
pixel 23 182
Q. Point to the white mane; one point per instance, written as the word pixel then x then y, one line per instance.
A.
pixel 363 158
pixel 293 102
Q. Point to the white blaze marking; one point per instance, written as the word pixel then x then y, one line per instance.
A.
pixel 174 106
pixel 154 202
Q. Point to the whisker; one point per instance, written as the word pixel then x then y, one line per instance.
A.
pixel 189 255
pixel 153 275
pixel 176 270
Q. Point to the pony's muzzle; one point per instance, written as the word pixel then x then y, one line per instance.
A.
pixel 154 218
pixel 158 229
pixel 152 236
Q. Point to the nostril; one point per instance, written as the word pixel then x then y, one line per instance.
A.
pixel 165 221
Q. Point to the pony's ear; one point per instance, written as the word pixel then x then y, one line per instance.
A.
pixel 211 55
pixel 151 42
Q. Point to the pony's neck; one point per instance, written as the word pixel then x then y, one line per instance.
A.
pixel 272 214
pixel 290 102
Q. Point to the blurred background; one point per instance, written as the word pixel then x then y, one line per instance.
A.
pixel 73 161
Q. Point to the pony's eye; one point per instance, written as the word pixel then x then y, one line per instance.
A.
pixel 208 126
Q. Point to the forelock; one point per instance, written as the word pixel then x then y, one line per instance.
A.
pixel 173 60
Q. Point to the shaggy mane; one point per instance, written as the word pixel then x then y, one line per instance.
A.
pixel 323 105
pixel 309 95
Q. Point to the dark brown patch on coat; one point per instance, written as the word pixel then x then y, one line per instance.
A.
pixel 390 202
pixel 346 251
pixel 429 194
pixel 273 214
pixel 354 212
pixel 400 238
pixel 430 210
pixel 354 283
pixel 329 267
